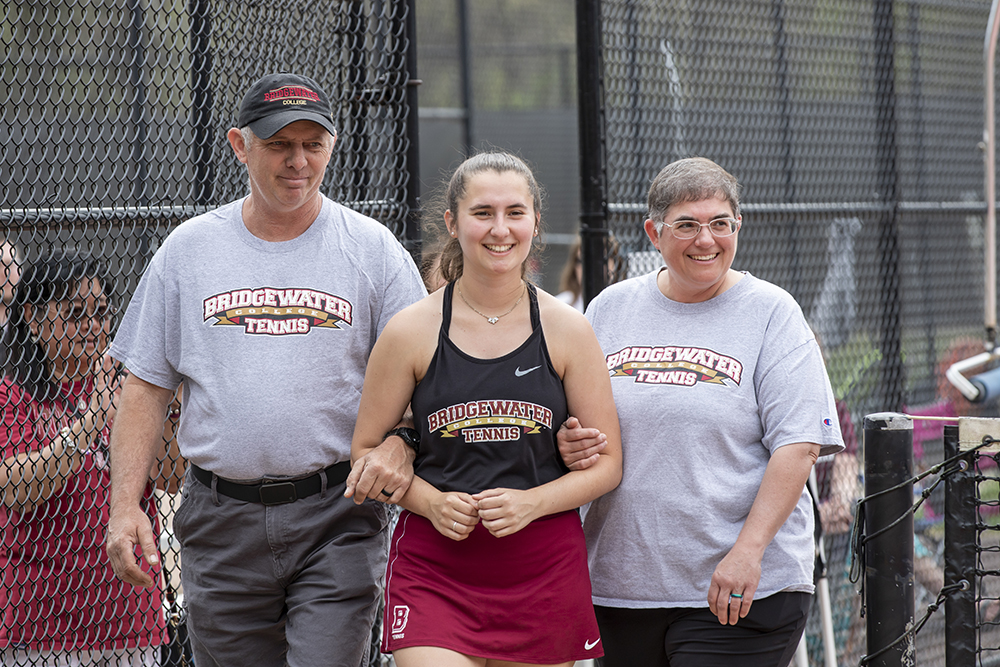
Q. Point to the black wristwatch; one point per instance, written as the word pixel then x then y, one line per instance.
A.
pixel 410 436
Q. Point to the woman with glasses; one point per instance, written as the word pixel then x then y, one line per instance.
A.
pixel 60 603
pixel 704 554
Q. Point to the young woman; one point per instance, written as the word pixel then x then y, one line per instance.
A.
pixel 487 564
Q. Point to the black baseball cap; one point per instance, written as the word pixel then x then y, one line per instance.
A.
pixel 279 99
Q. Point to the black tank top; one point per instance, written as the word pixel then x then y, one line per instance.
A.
pixel 489 423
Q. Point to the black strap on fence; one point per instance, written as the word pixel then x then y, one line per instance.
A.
pixel 959 577
pixel 959 556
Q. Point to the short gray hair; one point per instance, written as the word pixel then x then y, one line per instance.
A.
pixel 690 180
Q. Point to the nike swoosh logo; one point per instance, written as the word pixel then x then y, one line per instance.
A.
pixel 518 372
pixel 589 645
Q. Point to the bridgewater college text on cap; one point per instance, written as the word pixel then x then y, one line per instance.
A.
pixel 279 99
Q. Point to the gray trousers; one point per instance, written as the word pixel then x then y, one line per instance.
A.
pixel 295 584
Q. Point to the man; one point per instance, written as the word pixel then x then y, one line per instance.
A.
pixel 267 309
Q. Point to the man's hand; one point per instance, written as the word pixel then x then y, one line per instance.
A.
pixel 382 474
pixel 124 533
pixel 580 447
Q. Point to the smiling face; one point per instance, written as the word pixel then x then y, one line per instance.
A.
pixel 74 331
pixel 286 169
pixel 698 268
pixel 495 222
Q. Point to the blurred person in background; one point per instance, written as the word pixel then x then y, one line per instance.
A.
pixel 61 603
pixel 10 264
pixel 571 278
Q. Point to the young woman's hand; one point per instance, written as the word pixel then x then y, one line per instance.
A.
pixel 506 511
pixel 454 514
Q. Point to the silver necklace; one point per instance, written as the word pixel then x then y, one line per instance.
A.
pixel 493 320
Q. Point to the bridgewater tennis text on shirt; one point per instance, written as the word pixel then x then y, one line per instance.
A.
pixel 490 420
pixel 267 310
pixel 674 365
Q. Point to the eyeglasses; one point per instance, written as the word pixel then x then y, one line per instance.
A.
pixel 686 230
pixel 77 315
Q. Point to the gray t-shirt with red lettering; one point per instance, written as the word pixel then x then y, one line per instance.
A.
pixel 270 339
pixel 705 393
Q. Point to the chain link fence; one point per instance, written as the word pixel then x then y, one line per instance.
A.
pixel 113 127
pixel 854 128
pixel 852 125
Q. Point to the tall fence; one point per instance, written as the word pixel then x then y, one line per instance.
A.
pixel 113 130
pixel 854 127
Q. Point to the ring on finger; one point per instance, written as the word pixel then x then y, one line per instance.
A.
pixel 735 596
pixel 385 493
pixel 454 526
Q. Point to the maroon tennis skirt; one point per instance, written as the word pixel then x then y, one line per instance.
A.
pixel 523 598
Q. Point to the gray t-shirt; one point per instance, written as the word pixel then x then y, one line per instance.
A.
pixel 705 393
pixel 270 339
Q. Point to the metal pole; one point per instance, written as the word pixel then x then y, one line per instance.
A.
pixel 959 558
pixel 593 200
pixel 201 101
pixel 989 138
pixel 411 228
pixel 138 50
pixel 465 72
pixel 892 378
pixel 787 142
pixel 889 556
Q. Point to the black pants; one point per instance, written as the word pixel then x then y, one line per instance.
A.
pixel 685 637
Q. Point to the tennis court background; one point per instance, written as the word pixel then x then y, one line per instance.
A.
pixel 853 125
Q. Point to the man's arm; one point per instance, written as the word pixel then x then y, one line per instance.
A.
pixel 580 447
pixel 136 439
pixel 389 466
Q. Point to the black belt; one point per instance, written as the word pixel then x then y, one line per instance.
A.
pixel 275 492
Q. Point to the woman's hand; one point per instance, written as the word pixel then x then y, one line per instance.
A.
pixel 734 584
pixel 453 514
pixel 506 511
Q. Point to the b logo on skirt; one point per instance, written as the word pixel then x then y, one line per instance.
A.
pixel 399 615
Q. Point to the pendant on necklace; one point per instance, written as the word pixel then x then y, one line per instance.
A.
pixel 492 320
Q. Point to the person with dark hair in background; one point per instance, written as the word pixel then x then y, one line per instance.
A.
pixel 487 563
pixel 10 274
pixel 60 601
pixel 267 308
pixel 571 278
pixel 704 554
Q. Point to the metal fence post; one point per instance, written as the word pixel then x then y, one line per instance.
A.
pixel 593 204
pixel 888 450
pixel 959 558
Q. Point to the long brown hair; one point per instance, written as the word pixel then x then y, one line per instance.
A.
pixel 496 161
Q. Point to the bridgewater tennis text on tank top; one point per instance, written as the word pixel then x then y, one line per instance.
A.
pixel 489 423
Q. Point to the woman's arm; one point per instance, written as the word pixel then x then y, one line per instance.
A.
pixel 169 468
pixel 31 478
pixel 577 357
pixel 398 358
pixel 780 490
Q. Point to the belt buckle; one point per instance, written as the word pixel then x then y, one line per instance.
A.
pixel 277 493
